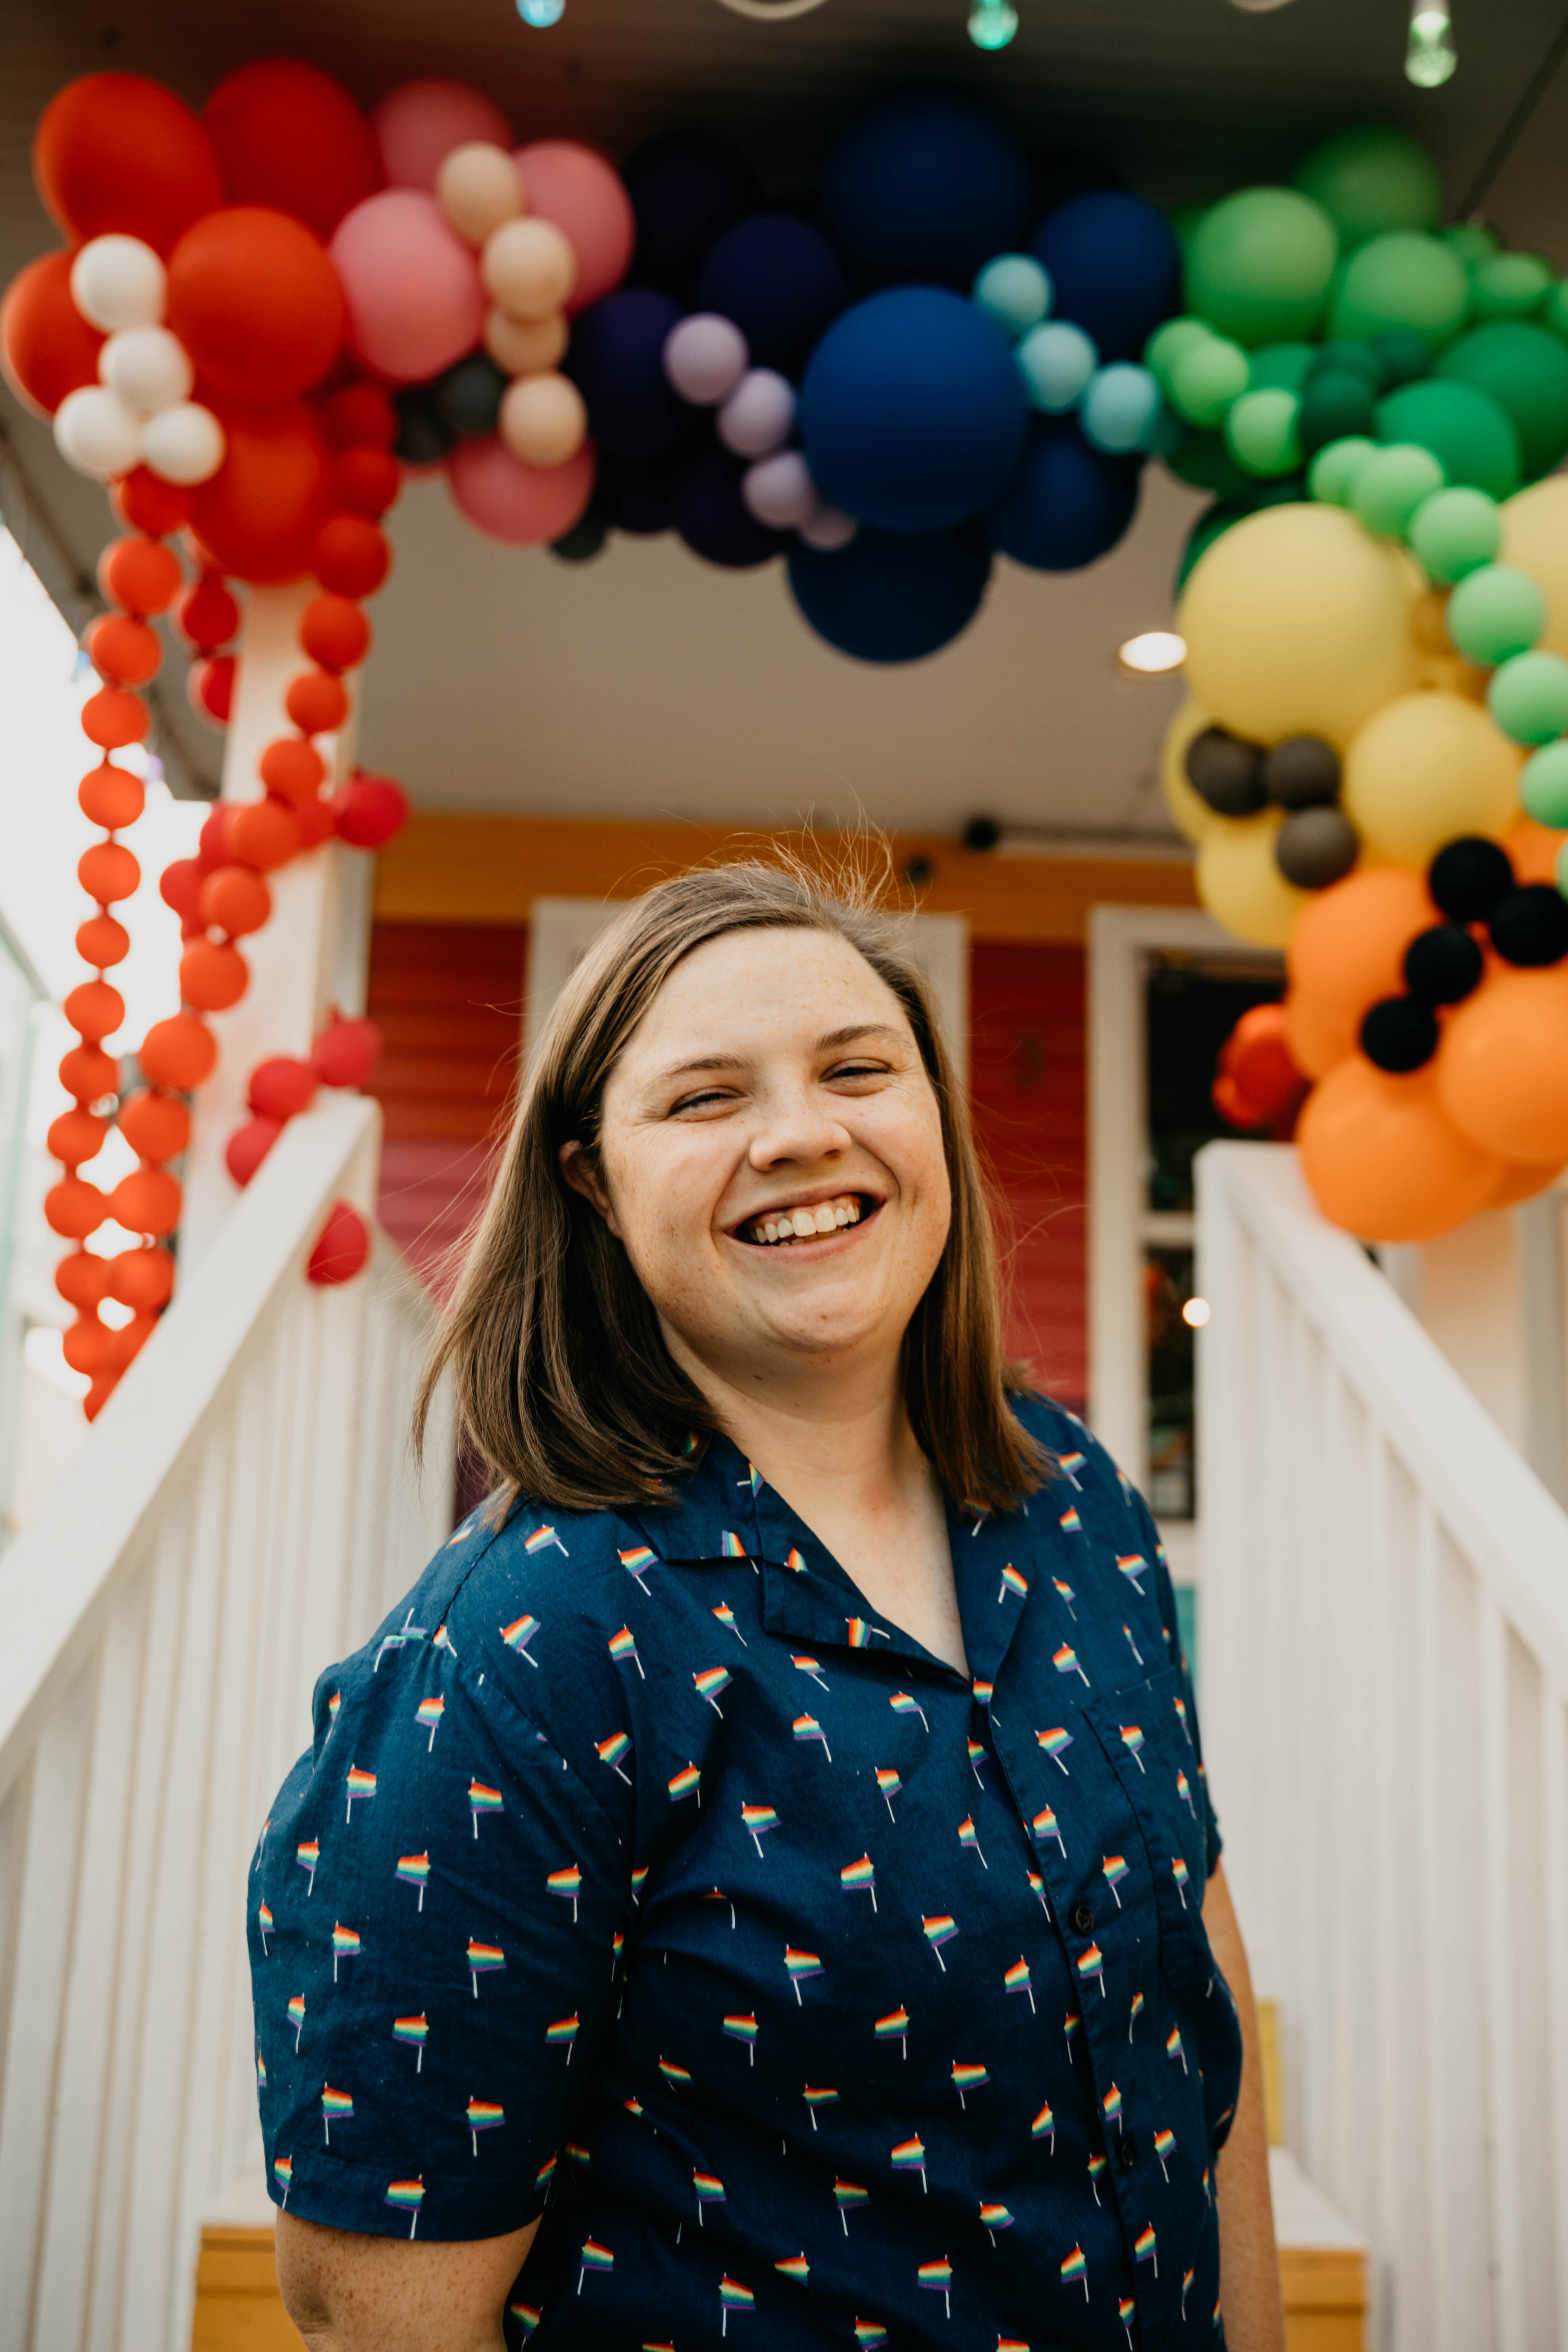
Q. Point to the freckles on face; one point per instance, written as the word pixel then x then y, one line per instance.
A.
pixel 770 1149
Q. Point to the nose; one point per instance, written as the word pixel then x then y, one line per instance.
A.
pixel 797 1128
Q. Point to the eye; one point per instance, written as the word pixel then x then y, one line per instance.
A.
pixel 709 1098
pixel 856 1070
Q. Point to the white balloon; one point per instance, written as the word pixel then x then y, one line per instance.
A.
pixel 759 416
pixel 148 367
pixel 117 281
pixel 780 492
pixel 184 444
pixel 705 357
pixel 96 433
pixel 829 529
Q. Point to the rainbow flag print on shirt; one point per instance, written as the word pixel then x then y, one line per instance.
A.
pixel 678 2077
pixel 624 1650
pixel 481 1957
pixel 734 2296
pixel 1054 1742
pixel 993 2217
pixel 902 1703
pixel 796 2267
pixel 283 2170
pixel 800 1968
pixel 414 2033
pixel 1045 1828
pixel 969 1838
pixel 1165 2147
pixel 1113 1869
pixel 1044 2126
pixel 297 2016
pixel 264 1925
pixel 361 1787
pixel 337 2107
pixel 541 1540
pixel 406 2196
pixel 807 1727
pixel 613 1752
pixel 1011 1583
pixel 709 2190
pixel 1143 2247
pixel 1070 1523
pixel 1065 1661
pixel 1132 1740
pixel 1091 1963
pixel 637 1562
pixel 870 2335
pixel 726 1616
pixel 594 2257
pixel 741 2026
pixel 795 1560
pixel 1110 2106
pixel 757 1821
pixel 345 1946
pixel 687 1784
pixel 483 1800
pixel 938 1931
pixel 568 1885
pixel 260 2072
pixel 909 2156
pixel 428 1716
pixel 968 2078
pixel 483 2116
pixel 1070 1465
pixel 1075 2270
pixel 1016 1980
pixel 815 2098
pixel 709 1683
pixel 413 1869
pixel 860 1877
pixel 888 1786
pixel 1133 1565
pixel 810 1666
pixel 847 2195
pixel 519 1634
pixel 1173 2046
pixel 561 2035
pixel 307 1856
pixel 732 1547
pixel 895 2027
pixel 938 2278
pixel 1180 1873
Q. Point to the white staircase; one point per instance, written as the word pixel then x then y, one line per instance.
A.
pixel 1384 1692
pixel 243 1512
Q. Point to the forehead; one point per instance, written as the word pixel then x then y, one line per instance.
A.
pixel 760 989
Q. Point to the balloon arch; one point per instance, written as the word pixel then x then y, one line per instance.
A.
pixel 265 316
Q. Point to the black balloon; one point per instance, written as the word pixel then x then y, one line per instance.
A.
pixel 424 436
pixel 1470 877
pixel 1444 964
pixel 1315 846
pixel 468 395
pixel 1399 1034
pixel 981 834
pixel 1530 925
pixel 1301 773
pixel 584 539
pixel 1226 772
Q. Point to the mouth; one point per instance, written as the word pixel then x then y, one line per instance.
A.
pixel 796 1224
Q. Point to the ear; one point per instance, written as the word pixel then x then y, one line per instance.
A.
pixel 581 1174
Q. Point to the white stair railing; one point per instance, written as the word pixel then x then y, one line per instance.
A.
pixel 1385 1689
pixel 243 1513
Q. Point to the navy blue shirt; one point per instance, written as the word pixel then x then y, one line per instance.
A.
pixel 642 1876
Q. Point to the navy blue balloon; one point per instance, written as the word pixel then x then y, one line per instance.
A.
pixel 892 599
pixel 638 494
pixel 912 410
pixel 1115 269
pixel 781 282
pixel 714 520
pixel 617 360
pixel 686 188
pixel 926 188
pixel 1066 503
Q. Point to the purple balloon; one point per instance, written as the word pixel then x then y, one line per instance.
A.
pixel 705 358
pixel 759 416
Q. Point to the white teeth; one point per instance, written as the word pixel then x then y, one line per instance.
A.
pixel 804 1223
pixel 841 1216
pixel 782 1228
pixel 826 1222
pixel 771 1228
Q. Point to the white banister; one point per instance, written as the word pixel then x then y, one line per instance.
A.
pixel 1384 1690
pixel 243 1512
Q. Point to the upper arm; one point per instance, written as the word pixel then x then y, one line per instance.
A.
pixel 345 2293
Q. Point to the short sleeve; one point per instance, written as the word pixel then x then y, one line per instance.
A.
pixel 435 1918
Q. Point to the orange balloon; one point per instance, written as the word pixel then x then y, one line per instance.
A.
pixel 1346 951
pixel 1382 1159
pixel 1534 850
pixel 1502 1067
pixel 1521 1180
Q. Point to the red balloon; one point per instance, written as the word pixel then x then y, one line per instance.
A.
pixel 359 415
pixel 206 615
pixel 288 135
pixel 346 1054
pixel 255 302
pixel 314 820
pixel 368 809
pixel 258 516
pixel 144 502
pixel 117 152
pixel 280 1087
pixel 342 1247
pixel 210 687
pixel 47 347
pixel 248 1146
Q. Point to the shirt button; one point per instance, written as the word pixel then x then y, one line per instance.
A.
pixel 1082 1919
pixel 1127 2151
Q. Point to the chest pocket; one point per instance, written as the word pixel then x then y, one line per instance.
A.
pixel 1146 1744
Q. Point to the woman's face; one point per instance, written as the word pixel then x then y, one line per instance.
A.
pixel 771 1157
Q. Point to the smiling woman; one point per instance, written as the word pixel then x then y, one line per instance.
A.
pixel 787 1593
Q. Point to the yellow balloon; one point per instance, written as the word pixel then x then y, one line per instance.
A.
pixel 1535 540
pixel 1425 768
pixel 1298 622
pixel 1192 815
pixel 1240 884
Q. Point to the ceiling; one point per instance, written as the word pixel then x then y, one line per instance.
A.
pixel 647 682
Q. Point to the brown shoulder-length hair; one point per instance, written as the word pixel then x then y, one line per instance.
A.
pixel 564 1385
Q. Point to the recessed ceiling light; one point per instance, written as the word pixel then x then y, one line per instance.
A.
pixel 541 14
pixel 1151 652
pixel 992 23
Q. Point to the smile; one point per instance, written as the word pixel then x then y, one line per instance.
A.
pixel 788 1225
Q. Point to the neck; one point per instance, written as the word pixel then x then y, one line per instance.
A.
pixel 841 1432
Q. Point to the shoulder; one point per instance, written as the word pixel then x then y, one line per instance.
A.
pixel 1081 1462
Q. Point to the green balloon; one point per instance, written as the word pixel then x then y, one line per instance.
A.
pixel 1527 696
pixel 1333 472
pixel 1391 485
pixel 1259 263
pixel 1495 613
pixel 1524 368
pixel 1472 241
pixel 1401 280
pixel 1212 524
pixel 1166 344
pixel 1358 358
pixel 1543 785
pixel 1260 431
pixel 1373 179
pixel 1207 377
pixel 1465 427
pixel 1453 533
pixel 1509 286
pixel 1201 457
pixel 1282 367
pixel 1404 354
pixel 1554 310
pixel 1184 222
pixel 1336 402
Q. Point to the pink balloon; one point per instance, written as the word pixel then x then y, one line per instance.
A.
pixel 526 505
pixel 418 127
pixel 416 302
pixel 582 194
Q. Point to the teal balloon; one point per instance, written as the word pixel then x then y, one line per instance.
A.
pixel 1401 279
pixel 1524 368
pixel 1495 613
pixel 1121 409
pixel 1454 533
pixel 1259 263
pixel 1372 179
pixel 1057 360
pixel 1282 367
pixel 1543 785
pixel 1466 428
pixel 1527 696
pixel 1015 290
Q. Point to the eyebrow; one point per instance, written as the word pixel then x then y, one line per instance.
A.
pixel 831 1041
